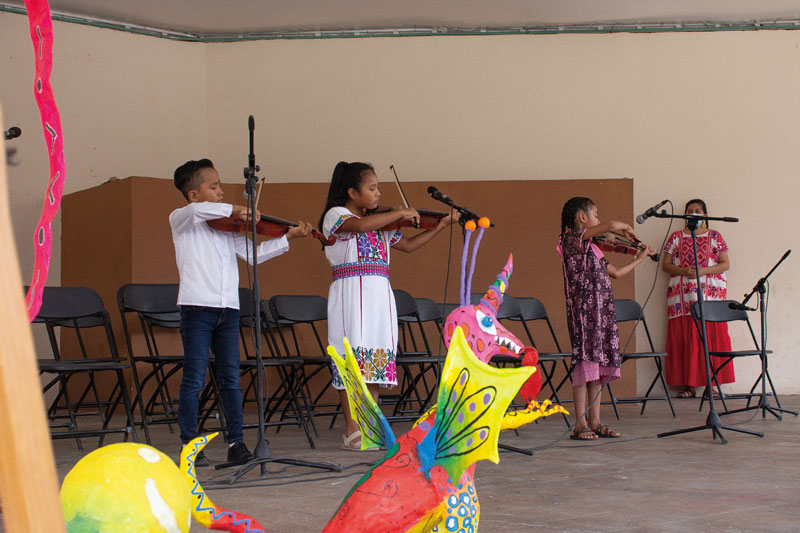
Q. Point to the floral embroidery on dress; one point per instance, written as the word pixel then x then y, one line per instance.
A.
pixel 378 365
pixel 372 246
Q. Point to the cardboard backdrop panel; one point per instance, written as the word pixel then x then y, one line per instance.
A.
pixel 119 233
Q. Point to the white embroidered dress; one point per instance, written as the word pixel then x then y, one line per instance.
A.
pixel 361 304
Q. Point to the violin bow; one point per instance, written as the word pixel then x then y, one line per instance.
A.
pixel 400 188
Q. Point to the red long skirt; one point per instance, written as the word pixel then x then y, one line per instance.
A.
pixel 685 361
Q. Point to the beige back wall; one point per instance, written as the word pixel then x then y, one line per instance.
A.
pixel 684 115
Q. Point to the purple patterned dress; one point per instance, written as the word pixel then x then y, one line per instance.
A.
pixel 591 317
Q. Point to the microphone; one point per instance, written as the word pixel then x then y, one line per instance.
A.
pixel 740 307
pixel 12 133
pixel 436 194
pixel 650 212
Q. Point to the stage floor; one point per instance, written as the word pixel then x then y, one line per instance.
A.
pixel 638 482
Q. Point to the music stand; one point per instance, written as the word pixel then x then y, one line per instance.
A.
pixel 713 421
pixel 262 454
pixel 763 402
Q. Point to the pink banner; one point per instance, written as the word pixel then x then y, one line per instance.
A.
pixel 41 27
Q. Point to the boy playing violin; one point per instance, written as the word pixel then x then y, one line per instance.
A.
pixel 209 297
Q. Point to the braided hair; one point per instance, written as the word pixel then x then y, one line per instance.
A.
pixel 571 209
pixel 345 176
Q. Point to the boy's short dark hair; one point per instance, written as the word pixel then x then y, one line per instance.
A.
pixel 187 176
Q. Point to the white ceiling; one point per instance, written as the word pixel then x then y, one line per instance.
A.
pixel 230 17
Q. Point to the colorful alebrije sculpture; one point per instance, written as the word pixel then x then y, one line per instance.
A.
pixel 134 487
pixel 421 483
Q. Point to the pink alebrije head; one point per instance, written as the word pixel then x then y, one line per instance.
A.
pixel 494 296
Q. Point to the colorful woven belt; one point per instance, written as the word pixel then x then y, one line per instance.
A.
pixel 366 268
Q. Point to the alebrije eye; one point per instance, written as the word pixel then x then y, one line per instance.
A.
pixel 485 322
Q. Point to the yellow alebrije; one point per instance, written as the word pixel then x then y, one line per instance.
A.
pixel 125 487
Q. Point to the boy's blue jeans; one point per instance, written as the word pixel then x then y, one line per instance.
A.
pixel 203 328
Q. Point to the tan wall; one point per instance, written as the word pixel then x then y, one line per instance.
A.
pixel 684 115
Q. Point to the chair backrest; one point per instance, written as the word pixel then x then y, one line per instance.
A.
pixel 156 305
pixel 530 310
pixel 508 309
pixel 67 303
pixel 76 308
pixel 428 310
pixel 630 310
pixel 299 307
pixel 406 305
pixel 719 311
pixel 290 309
pixel 149 298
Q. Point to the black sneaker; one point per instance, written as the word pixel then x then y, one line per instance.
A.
pixel 238 453
pixel 201 460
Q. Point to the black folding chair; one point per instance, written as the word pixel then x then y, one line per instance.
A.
pixel 533 310
pixel 81 310
pixel 289 312
pixel 416 360
pixel 288 395
pixel 631 311
pixel 720 311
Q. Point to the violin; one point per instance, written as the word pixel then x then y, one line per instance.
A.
pixel 427 219
pixel 615 243
pixel 267 226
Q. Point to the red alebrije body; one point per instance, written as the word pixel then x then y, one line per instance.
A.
pixel 396 495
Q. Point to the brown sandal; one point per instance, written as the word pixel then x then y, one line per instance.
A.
pixel 605 432
pixel 584 433
pixel 688 392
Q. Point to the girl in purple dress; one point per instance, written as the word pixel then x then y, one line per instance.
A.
pixel 591 317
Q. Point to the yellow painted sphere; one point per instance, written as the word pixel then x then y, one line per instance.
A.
pixel 126 487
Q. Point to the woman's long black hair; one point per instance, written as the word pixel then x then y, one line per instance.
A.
pixel 345 176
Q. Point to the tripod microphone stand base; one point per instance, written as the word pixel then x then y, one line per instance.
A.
pixel 765 406
pixel 715 425
pixel 263 455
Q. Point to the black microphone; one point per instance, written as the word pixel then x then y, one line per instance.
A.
pixel 12 133
pixel 436 194
pixel 739 307
pixel 650 212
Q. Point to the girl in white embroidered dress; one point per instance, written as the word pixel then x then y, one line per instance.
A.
pixel 361 304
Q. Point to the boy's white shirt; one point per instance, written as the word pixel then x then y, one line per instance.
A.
pixel 206 257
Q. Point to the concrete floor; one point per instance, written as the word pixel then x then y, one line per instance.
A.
pixel 636 483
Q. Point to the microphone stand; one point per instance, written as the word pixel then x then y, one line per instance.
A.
pixel 466 214
pixel 713 421
pixel 763 402
pixel 262 454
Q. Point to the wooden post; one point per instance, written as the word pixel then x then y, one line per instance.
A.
pixel 28 481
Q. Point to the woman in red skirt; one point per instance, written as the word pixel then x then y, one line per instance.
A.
pixel 685 360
